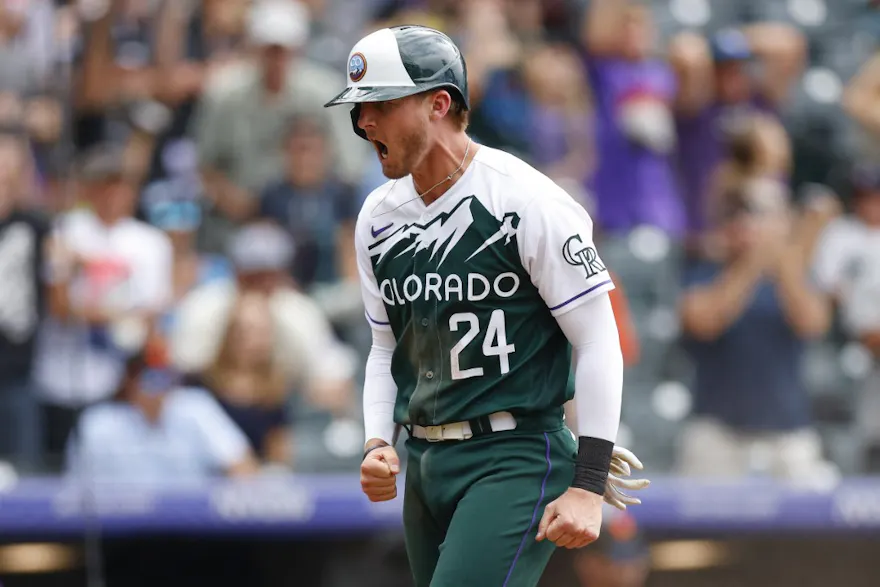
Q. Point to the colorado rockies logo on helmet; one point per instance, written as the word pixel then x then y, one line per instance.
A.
pixel 357 67
pixel 576 254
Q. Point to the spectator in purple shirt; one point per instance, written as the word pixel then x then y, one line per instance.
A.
pixel 634 92
pixel 717 85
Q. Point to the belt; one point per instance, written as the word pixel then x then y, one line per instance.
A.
pixel 497 422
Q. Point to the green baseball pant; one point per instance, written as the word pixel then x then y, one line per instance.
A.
pixel 472 507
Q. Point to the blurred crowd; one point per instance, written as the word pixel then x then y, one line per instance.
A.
pixel 177 276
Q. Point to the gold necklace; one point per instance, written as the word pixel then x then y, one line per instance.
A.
pixel 448 177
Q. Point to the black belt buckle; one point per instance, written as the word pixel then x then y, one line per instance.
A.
pixel 480 426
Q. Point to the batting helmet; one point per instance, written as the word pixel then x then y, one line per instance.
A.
pixel 401 61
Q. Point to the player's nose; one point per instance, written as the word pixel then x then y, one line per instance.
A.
pixel 366 119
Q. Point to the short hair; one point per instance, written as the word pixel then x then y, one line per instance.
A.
pixel 459 112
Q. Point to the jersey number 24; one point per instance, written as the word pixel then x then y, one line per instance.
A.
pixel 494 342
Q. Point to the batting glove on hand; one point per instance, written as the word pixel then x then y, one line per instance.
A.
pixel 622 460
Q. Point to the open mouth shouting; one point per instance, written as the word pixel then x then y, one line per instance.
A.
pixel 381 149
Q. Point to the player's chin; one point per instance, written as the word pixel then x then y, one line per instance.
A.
pixel 392 171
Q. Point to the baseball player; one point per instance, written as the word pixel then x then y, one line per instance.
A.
pixel 482 284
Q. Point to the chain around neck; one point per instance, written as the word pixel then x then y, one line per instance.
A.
pixel 451 175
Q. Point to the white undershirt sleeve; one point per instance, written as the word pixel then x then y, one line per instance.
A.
pixel 598 361
pixel 380 391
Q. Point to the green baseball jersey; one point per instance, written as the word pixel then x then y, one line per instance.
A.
pixel 471 286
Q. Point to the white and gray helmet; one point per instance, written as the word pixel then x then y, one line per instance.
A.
pixel 402 61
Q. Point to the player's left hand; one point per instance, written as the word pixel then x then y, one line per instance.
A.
pixel 573 520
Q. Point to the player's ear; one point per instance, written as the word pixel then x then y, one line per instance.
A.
pixel 441 101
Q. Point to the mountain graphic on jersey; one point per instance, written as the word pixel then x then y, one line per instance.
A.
pixel 440 237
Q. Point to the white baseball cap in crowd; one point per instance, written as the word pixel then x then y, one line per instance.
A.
pixel 261 246
pixel 278 22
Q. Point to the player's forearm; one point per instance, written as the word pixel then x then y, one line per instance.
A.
pixel 592 331
pixel 380 391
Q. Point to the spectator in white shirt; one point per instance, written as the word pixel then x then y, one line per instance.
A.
pixel 109 276
pixel 157 432
pixel 848 268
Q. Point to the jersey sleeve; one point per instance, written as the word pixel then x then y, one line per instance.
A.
pixel 555 239
pixel 374 307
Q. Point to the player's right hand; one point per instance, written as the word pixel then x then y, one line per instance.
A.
pixel 379 474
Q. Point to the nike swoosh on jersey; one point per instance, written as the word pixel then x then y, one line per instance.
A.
pixel 381 230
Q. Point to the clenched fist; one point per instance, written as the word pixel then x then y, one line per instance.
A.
pixel 573 520
pixel 379 474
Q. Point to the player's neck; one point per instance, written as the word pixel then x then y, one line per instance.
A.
pixel 448 156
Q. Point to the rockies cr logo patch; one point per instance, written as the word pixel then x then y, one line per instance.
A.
pixel 576 254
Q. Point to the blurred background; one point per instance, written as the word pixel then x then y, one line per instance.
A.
pixel 181 334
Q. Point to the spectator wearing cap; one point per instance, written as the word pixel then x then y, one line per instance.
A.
pixel 109 277
pixel 302 355
pixel 747 314
pixel 239 126
pixel 23 236
pixel 718 83
pixel 153 430
pixel 848 268
pixel 634 182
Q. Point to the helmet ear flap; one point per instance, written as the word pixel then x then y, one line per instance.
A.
pixel 355 116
